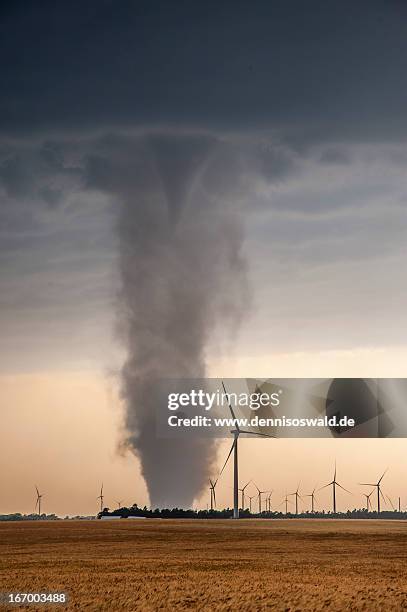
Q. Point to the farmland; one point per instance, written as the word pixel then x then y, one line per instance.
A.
pixel 209 565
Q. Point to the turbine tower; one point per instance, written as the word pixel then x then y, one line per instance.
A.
pixel 297 495
pixel 334 484
pixel 250 502
pixel 236 433
pixel 268 502
pixel 242 490
pixel 101 498
pixel 38 502
pixel 312 496
pixel 379 491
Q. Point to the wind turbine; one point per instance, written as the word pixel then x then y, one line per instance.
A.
pixel 236 433
pixel 334 484
pixel 38 502
pixel 368 502
pixel 101 498
pixel 250 502
pixel 312 496
pixel 379 491
pixel 242 491
pixel 286 501
pixel 213 494
pixel 119 503
pixel 297 495
pixel 259 496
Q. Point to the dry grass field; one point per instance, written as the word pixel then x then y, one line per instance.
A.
pixel 209 565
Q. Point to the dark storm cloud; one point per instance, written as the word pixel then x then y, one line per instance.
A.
pixel 313 69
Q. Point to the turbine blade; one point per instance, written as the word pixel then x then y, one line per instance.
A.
pixel 227 458
pixel 367 484
pixel 338 485
pixel 230 407
pixel 325 486
pixel 382 475
pixel 392 505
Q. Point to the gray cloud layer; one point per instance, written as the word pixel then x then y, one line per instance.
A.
pixel 325 232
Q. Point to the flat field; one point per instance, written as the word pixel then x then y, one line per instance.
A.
pixel 209 565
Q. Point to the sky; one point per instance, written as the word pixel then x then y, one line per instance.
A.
pixel 282 121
